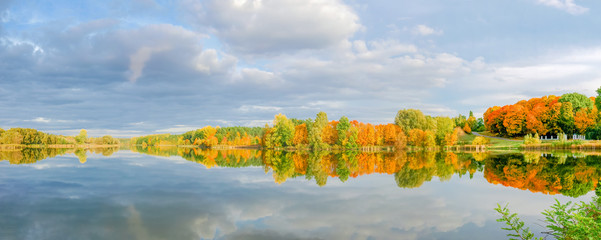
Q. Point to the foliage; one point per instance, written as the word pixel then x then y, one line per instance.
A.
pixel 548 174
pixel 342 129
pixel 564 221
pixel 594 132
pixel 514 224
pixel 529 139
pixel 598 99
pixel 467 129
pixel 28 136
pixel 444 127
pixel 315 139
pixel 479 140
pixel 577 100
pixel 82 137
pixel 283 131
pixel 570 113
pixel 409 119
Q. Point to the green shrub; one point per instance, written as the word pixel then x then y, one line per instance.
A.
pixel 529 139
pixel 564 221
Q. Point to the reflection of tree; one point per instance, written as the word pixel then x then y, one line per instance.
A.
pixel 549 174
pixel 81 154
pixel 315 169
pixel 412 178
pixel 32 155
pixel 281 163
pixel 410 169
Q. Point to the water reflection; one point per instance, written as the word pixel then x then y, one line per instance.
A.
pixel 410 169
pixel 33 155
pixel 570 174
pixel 565 173
pixel 132 196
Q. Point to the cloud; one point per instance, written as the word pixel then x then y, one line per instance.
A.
pixel 138 60
pixel 424 30
pixel 40 120
pixel 565 5
pixel 276 26
pixel 498 84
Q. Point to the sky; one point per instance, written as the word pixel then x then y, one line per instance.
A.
pixel 130 68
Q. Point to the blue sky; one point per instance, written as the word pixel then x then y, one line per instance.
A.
pixel 137 67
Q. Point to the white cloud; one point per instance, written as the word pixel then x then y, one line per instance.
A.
pixel 40 120
pixel 565 5
pixel 498 84
pixel 209 62
pixel 424 30
pixel 275 26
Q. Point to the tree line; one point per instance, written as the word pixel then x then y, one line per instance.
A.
pixel 28 136
pixel 207 136
pixel 411 128
pixel 571 113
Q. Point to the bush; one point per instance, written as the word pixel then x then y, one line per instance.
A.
pixel 480 141
pixel 529 139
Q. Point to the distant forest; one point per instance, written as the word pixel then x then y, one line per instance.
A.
pixel 28 136
pixel 411 128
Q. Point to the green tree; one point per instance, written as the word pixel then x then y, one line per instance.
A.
pixel 283 131
pixel 444 126
pixel 409 119
pixel 82 137
pixel 578 101
pixel 566 118
pixel 343 127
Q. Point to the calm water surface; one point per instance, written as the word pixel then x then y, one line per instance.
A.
pixel 193 194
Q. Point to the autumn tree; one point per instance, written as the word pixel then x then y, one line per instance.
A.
pixel 450 139
pixel 467 129
pixel 329 135
pixel 515 120
pixel 301 135
pixel 585 119
pixel 366 135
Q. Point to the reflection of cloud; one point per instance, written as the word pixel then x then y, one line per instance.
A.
pixel 184 201
pixel 135 224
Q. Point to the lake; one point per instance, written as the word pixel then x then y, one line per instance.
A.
pixel 182 193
